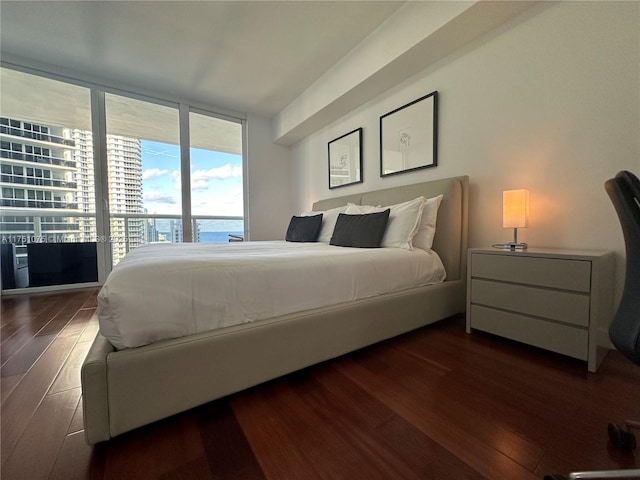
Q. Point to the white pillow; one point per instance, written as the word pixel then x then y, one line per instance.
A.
pixel 404 220
pixel 427 229
pixel 353 209
pixel 329 218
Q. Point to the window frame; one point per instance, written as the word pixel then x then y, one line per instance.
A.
pixel 98 127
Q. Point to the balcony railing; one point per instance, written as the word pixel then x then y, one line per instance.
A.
pixel 128 230
pixel 23 203
pixel 42 137
pixel 43 182
pixel 59 227
pixel 157 225
pixel 39 159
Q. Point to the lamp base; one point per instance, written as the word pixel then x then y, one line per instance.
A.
pixel 512 246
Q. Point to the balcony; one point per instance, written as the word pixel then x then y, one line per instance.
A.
pixel 59 227
pixel 40 137
pixel 43 182
pixel 17 227
pixel 29 157
pixel 22 203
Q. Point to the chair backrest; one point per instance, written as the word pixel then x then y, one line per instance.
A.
pixel 624 331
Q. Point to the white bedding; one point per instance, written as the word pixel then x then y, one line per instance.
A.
pixel 164 291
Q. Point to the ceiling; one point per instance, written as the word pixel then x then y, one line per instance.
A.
pixel 243 56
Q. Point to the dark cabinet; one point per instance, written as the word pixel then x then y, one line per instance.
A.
pixel 62 263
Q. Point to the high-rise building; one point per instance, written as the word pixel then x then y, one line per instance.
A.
pixel 48 170
pixel 151 233
pixel 38 174
pixel 86 197
pixel 175 229
pixel 124 155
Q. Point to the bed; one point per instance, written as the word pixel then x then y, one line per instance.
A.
pixel 131 387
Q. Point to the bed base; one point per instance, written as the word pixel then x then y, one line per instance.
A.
pixel 130 388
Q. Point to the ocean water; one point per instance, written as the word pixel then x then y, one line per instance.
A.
pixel 217 237
pixel 211 237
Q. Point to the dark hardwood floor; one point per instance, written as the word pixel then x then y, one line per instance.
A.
pixel 432 404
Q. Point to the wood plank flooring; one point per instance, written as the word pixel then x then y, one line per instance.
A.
pixel 433 404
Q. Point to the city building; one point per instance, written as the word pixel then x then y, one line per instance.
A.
pixel 124 156
pixel 86 196
pixel 47 184
pixel 38 185
pixel 175 229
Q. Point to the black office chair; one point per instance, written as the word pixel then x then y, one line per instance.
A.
pixel 624 331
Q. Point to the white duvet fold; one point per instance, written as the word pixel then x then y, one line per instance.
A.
pixel 164 291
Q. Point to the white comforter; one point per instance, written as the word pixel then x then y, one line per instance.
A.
pixel 166 291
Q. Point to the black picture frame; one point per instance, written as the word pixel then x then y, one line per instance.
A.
pixel 345 159
pixel 409 137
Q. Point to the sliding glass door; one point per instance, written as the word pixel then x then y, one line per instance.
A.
pixel 48 202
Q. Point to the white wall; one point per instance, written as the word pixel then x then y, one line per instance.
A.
pixel 268 182
pixel 549 102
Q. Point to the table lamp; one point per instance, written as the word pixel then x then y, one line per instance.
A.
pixel 515 214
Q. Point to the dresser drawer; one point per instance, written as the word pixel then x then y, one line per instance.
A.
pixel 572 275
pixel 563 306
pixel 572 341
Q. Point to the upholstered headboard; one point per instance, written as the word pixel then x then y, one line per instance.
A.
pixel 450 241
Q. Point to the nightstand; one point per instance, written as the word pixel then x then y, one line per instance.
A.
pixel 559 300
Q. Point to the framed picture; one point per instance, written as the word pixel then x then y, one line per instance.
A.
pixel 409 136
pixel 345 159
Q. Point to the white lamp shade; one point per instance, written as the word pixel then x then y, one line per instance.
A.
pixel 515 208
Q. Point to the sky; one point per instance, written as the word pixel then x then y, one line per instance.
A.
pixel 216 181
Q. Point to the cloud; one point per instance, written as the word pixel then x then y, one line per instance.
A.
pixel 159 197
pixel 223 201
pixel 150 173
pixel 177 180
pixel 200 178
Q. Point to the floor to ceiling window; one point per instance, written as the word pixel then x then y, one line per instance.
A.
pixel 47 205
pixel 51 185
pixel 217 206
pixel 143 155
